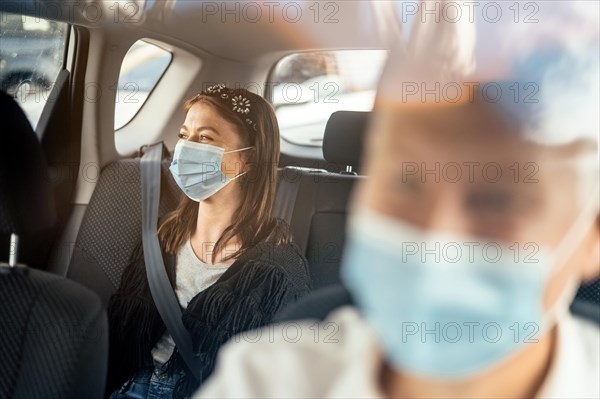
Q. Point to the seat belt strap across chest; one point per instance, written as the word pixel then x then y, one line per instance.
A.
pixel 160 287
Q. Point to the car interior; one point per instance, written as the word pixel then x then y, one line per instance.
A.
pixel 101 81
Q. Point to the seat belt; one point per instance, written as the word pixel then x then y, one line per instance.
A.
pixel 285 199
pixel 160 287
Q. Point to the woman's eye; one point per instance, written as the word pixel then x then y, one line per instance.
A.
pixel 182 136
pixel 204 139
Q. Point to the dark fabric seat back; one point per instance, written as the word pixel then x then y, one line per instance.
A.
pixel 54 333
pixel 112 225
pixel 318 220
pixel 54 337
pixel 319 217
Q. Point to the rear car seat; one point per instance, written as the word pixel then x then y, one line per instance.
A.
pixel 112 223
pixel 318 217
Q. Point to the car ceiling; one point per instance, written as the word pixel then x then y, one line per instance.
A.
pixel 243 34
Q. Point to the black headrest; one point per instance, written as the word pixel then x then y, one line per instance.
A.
pixel 344 137
pixel 26 199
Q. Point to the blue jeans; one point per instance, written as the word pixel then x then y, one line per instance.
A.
pixel 149 383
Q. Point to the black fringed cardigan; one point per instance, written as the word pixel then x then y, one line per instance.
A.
pixel 261 281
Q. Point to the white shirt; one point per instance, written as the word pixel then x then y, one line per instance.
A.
pixel 300 360
pixel 191 276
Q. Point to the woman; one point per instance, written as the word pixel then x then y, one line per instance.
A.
pixel 231 263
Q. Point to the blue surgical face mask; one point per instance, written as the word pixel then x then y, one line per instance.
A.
pixel 196 169
pixel 444 306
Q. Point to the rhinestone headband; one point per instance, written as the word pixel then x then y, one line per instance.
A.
pixel 238 103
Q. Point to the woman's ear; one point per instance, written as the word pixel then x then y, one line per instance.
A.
pixel 248 156
pixel 591 249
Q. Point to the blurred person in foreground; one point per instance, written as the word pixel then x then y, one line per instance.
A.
pixel 468 240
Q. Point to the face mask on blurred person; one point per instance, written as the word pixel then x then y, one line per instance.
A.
pixel 445 306
pixel 196 168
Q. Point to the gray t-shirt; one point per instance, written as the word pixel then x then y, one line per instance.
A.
pixel 191 277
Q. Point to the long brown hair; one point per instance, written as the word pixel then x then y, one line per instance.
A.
pixel 253 221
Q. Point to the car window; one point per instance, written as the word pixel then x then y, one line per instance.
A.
pixel 32 52
pixel 142 68
pixel 309 87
